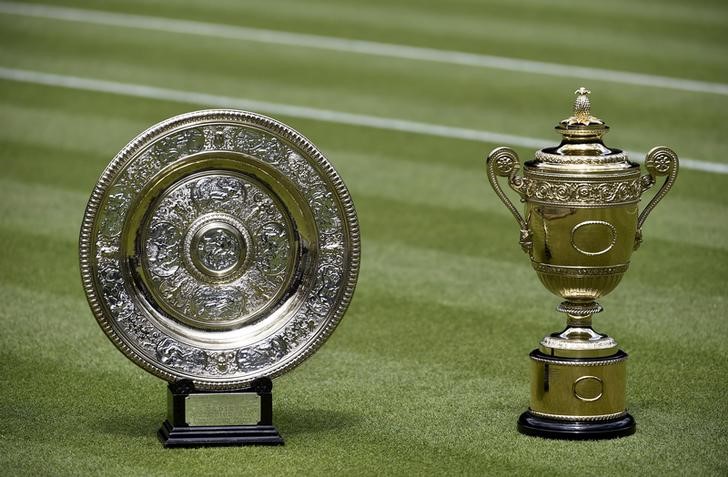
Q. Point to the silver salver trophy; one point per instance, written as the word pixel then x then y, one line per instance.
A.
pixel 219 249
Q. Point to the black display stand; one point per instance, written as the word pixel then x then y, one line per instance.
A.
pixel 176 432
pixel 533 425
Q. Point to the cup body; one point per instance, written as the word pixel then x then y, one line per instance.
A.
pixel 583 228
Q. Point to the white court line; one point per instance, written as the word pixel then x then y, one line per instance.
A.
pixel 325 115
pixel 188 27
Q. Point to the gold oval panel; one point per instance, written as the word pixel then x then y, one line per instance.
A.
pixel 593 237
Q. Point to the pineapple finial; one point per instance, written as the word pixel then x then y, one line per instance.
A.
pixel 582 110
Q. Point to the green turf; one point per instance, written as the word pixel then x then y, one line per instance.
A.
pixel 429 370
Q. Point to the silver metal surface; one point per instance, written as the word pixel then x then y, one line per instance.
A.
pixel 219 246
pixel 222 409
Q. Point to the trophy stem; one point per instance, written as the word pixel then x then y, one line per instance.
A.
pixel 579 321
pixel 580 309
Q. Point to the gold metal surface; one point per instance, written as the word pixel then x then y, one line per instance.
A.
pixel 578 389
pixel 559 417
pixel 580 224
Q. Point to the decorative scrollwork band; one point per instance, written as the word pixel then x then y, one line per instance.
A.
pixel 580 271
pixel 580 193
pixel 600 362
pixel 562 417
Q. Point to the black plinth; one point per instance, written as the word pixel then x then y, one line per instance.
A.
pixel 533 425
pixel 185 429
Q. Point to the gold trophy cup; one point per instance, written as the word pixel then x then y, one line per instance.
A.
pixel 580 226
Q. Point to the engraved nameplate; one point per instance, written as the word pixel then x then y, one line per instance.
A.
pixel 222 409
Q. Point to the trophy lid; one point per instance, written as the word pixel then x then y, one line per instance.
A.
pixel 582 145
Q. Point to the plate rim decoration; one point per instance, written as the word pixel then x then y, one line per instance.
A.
pixel 332 182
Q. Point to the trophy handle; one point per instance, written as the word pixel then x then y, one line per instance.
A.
pixel 503 161
pixel 660 161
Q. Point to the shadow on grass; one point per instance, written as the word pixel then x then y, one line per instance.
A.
pixel 288 420
pixel 292 421
pixel 130 425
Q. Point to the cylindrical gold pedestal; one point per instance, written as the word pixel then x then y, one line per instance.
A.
pixel 578 389
pixel 578 386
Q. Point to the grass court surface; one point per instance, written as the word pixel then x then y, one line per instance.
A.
pixel 428 371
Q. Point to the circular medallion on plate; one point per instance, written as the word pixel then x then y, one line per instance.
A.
pixel 219 246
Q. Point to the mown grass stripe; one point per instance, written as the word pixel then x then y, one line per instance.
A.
pixel 44 210
pixel 436 186
pixel 325 115
pixel 188 27
pixel 412 269
pixel 467 285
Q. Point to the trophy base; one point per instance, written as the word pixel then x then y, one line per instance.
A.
pixel 211 418
pixel 206 436
pixel 533 425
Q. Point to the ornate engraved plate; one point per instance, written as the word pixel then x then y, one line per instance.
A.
pixel 219 246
